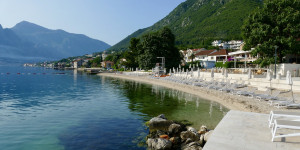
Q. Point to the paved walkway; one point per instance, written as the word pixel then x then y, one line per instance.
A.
pixel 247 131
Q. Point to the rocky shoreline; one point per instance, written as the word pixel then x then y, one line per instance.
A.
pixel 167 134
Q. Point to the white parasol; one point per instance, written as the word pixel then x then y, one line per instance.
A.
pixel 289 81
pixel 249 73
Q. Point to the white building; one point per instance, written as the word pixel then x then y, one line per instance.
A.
pixel 233 44
pixel 187 53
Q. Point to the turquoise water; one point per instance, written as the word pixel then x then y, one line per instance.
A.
pixel 51 110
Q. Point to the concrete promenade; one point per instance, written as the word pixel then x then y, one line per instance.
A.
pixel 247 131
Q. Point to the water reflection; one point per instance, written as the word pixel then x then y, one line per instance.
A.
pixel 152 100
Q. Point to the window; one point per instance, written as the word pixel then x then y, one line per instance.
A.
pixel 211 57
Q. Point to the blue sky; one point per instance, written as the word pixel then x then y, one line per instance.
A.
pixel 106 20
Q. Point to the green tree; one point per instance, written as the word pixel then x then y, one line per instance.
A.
pixel 158 44
pixel 276 23
pixel 96 62
pixel 131 56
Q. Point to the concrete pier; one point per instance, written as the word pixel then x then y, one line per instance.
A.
pixel 247 131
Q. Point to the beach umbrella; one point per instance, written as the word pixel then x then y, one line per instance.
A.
pixel 212 73
pixel 198 72
pixel 234 61
pixel 177 70
pixel 223 71
pixel 226 73
pixel 249 73
pixel 190 66
pixel 245 61
pixel 269 76
pixel 170 71
pixel 179 66
pixel 289 81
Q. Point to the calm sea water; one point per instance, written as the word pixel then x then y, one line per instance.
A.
pixel 44 109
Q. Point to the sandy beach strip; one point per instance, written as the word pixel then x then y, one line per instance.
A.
pixel 232 102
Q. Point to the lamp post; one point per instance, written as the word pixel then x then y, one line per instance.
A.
pixel 275 59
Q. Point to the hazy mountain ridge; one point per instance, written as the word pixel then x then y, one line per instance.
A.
pixel 30 40
pixel 197 21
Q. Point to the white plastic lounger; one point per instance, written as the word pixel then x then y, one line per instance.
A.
pixel 293 106
pixel 268 97
pixel 282 114
pixel 285 124
pixel 281 102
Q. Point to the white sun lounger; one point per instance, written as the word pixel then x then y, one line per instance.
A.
pixel 285 124
pixel 281 102
pixel 283 115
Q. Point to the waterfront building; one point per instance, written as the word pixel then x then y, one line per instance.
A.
pixel 107 64
pixel 77 63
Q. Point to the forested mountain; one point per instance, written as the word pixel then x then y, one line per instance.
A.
pixel 30 40
pixel 197 22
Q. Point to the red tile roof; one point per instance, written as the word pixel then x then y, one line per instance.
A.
pixel 219 52
pixel 205 52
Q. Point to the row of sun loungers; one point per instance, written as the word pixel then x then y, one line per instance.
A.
pixel 236 88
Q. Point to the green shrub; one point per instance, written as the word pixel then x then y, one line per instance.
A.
pixel 228 64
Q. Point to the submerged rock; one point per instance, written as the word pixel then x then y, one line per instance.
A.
pixel 159 144
pixel 158 123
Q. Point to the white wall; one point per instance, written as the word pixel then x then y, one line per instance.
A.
pixel 284 67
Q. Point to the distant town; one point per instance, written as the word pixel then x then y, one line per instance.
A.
pixel 225 51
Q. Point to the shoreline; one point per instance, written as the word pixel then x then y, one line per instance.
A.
pixel 232 102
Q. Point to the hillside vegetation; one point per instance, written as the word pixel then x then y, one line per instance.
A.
pixel 197 22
